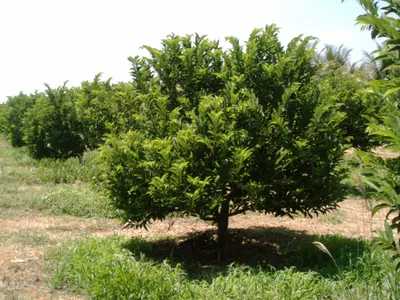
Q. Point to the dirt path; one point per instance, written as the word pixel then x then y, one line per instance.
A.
pixel 24 241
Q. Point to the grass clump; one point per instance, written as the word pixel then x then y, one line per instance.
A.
pixel 71 170
pixel 105 269
pixel 80 201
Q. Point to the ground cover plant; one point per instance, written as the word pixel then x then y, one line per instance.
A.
pixel 106 269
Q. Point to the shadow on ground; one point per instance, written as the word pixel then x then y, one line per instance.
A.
pixel 256 247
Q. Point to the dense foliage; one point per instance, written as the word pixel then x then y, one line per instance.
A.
pixel 359 107
pixel 382 19
pixel 12 116
pixel 220 133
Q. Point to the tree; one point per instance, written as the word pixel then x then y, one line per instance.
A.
pixel 218 133
pixel 51 126
pixel 13 113
pixel 359 107
pixel 335 57
pixel 375 68
pixel 347 82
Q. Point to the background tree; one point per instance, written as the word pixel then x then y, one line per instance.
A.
pixel 13 113
pixel 335 57
pixel 221 133
pixel 103 107
pixel 375 68
pixel 51 126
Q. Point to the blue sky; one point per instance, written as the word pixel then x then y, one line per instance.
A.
pixel 51 41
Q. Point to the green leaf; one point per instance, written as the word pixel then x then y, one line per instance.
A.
pixel 379 207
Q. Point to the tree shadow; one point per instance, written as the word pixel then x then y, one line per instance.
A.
pixel 256 247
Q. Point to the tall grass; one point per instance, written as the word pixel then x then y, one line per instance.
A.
pixel 73 169
pixel 104 269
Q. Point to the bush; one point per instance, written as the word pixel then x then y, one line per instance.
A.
pixel 359 107
pixel 51 126
pixel 219 133
pixel 12 115
pixel 102 108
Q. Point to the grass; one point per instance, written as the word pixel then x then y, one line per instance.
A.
pixel 105 269
pixel 28 237
pixel 80 201
pixel 47 186
pixel 333 218
pixel 16 165
pixel 72 170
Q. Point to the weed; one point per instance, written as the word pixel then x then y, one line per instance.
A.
pixel 104 269
pixel 80 201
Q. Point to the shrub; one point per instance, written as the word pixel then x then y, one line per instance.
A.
pixel 51 126
pixel 220 133
pixel 12 115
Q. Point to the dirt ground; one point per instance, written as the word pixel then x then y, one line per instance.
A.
pixel 24 240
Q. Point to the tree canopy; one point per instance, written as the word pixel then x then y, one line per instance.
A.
pixel 217 133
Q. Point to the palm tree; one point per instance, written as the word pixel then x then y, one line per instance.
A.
pixel 335 57
pixel 376 67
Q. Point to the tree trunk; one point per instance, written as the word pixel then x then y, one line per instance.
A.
pixel 223 219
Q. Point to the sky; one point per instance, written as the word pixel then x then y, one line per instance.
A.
pixel 52 41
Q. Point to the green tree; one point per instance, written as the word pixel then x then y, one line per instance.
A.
pixel 51 127
pixel 13 113
pixel 103 107
pixel 219 133
pixel 335 57
pixel 359 107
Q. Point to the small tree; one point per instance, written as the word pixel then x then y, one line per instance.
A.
pixel 103 107
pixel 221 133
pixel 13 114
pixel 51 127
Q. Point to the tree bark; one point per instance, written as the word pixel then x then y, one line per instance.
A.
pixel 223 221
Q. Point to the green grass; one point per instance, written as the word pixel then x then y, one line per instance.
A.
pixel 55 187
pixel 80 201
pixel 16 165
pixel 105 269
pixel 68 171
